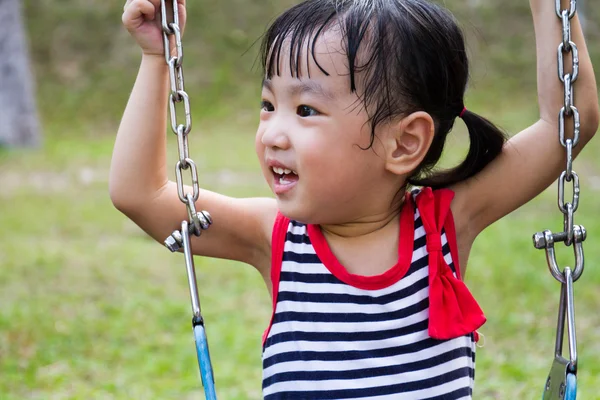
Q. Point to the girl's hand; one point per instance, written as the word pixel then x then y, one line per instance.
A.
pixel 143 20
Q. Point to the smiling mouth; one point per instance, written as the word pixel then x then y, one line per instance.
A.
pixel 284 177
pixel 285 180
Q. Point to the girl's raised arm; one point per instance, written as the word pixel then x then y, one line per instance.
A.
pixel 139 184
pixel 534 158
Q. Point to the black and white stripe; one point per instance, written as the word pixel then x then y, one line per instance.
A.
pixel 331 340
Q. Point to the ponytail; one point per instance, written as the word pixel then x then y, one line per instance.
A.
pixel 487 142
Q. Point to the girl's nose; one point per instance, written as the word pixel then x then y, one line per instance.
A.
pixel 274 136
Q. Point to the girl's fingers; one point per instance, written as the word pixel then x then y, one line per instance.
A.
pixel 136 11
pixel 156 4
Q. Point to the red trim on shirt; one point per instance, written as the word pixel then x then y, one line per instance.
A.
pixel 376 282
pixel 277 246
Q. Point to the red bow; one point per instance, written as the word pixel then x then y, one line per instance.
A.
pixel 453 311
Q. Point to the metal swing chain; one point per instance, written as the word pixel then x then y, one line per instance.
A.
pixel 561 382
pixel 198 221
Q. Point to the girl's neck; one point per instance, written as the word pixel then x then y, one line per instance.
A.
pixel 367 225
pixel 367 246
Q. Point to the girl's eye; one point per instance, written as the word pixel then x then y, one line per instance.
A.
pixel 266 106
pixel 306 111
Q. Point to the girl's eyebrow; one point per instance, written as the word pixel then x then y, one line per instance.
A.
pixel 301 87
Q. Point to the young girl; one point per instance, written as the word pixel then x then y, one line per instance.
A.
pixel 366 278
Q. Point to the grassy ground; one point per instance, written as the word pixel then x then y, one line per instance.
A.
pixel 93 309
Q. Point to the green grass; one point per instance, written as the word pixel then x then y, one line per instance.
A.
pixel 91 308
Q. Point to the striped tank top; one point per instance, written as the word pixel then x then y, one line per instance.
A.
pixel 336 335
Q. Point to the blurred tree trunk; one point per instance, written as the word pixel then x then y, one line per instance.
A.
pixel 18 117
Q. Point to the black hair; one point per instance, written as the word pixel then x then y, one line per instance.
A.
pixel 414 60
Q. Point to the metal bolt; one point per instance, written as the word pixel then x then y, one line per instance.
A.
pixel 548 381
pixel 561 390
pixel 205 219
pixel 174 242
pixel 540 242
pixel 583 233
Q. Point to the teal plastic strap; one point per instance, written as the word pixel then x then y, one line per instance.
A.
pixel 206 371
pixel 571 392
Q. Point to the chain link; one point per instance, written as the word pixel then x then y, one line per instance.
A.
pixel 562 50
pixel 562 121
pixel 173 46
pixel 571 11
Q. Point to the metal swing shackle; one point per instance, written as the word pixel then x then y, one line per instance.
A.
pixel 198 221
pixel 561 383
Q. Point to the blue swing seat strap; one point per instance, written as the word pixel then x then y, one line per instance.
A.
pixel 571 390
pixel 206 371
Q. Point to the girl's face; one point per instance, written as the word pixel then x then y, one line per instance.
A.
pixel 311 140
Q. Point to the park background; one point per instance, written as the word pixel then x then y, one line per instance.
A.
pixel 91 308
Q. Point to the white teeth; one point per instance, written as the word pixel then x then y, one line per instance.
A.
pixel 283 171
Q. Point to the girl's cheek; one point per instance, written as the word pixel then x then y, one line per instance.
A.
pixel 259 148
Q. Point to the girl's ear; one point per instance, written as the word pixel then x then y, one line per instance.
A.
pixel 408 142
